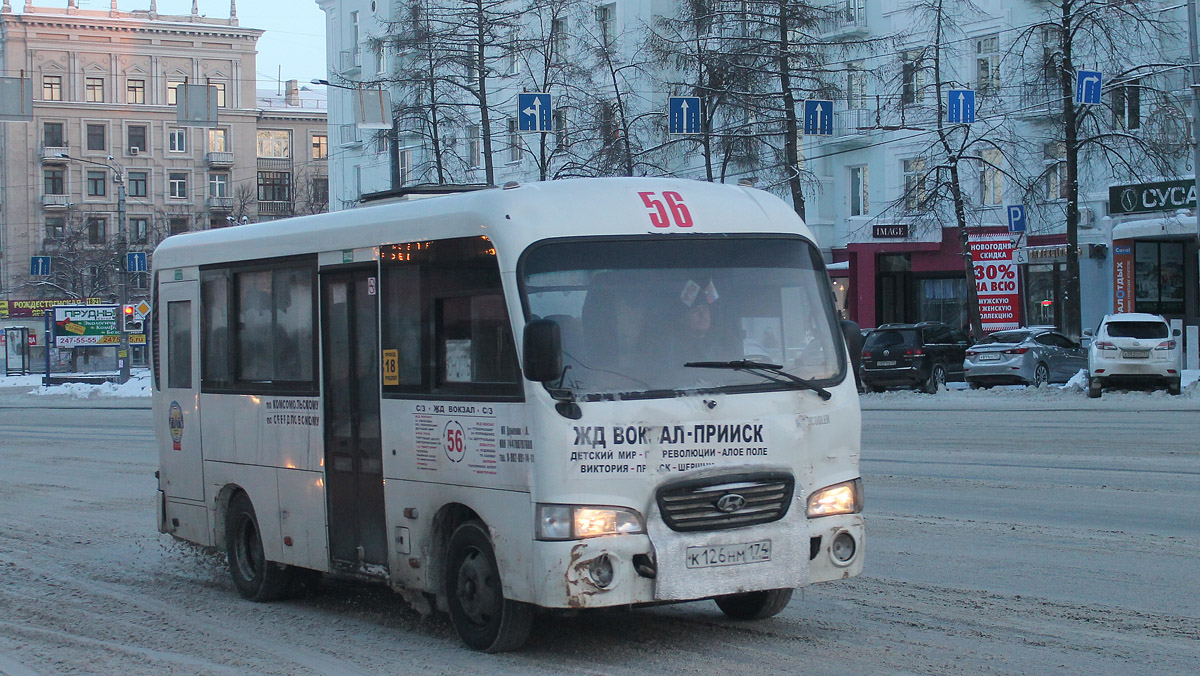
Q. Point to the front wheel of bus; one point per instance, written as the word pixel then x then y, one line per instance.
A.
pixel 255 578
pixel 483 618
pixel 757 605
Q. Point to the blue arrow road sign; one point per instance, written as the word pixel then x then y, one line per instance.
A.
pixel 135 261
pixel 1016 218
pixel 961 109
pixel 39 266
pixel 534 112
pixel 684 115
pixel 1087 87
pixel 818 117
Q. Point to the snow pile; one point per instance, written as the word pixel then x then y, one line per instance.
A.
pixel 1078 382
pixel 138 385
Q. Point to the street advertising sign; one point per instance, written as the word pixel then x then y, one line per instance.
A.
pixel 27 309
pixel 196 105
pixel 90 326
pixel 1146 197
pixel 995 280
pixel 1122 255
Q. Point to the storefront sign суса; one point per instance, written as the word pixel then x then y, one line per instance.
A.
pixel 1149 197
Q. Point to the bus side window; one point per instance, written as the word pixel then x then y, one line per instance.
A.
pixel 179 344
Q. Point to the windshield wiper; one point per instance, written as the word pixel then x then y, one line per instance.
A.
pixel 762 369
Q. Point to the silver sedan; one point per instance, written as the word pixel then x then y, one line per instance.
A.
pixel 1031 356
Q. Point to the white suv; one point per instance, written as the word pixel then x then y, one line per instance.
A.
pixel 1133 348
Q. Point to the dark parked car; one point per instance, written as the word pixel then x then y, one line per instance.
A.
pixel 923 356
pixel 1033 356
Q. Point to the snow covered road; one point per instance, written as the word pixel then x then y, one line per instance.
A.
pixel 1007 534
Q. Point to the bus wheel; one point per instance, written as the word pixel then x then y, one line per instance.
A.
pixel 255 578
pixel 757 605
pixel 483 618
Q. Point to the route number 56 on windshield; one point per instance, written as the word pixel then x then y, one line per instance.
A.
pixel 659 211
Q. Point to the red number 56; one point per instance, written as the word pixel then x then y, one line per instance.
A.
pixel 658 211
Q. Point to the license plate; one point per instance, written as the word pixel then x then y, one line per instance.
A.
pixel 1135 354
pixel 886 363
pixel 729 555
pixel 988 357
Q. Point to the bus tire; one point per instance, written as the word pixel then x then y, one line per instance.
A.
pixel 757 605
pixel 483 618
pixel 256 578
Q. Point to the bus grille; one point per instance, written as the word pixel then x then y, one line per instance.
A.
pixel 692 505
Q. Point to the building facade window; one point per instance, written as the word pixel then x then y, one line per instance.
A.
pixel 137 137
pixel 987 64
pixel 856 86
pixel 474 145
pixel 1127 105
pixel 912 78
pixel 139 230
pixel 96 134
pixel 404 159
pixel 320 146
pixel 177 185
pixel 177 226
pixel 320 190
pixel 218 184
pixel 173 91
pixel 56 227
pixel 139 182
pixel 95 230
pixel 558 41
pixel 859 206
pixel 220 87
pixel 53 136
pixel 94 89
pixel 274 143
pixel 914 184
pixel 54 181
pixel 135 91
pixel 52 89
pixel 177 140
pixel 97 183
pixel 218 141
pixel 1056 170
pixel 991 178
pixel 274 186
pixel 560 128
pixel 606 20
pixel 514 141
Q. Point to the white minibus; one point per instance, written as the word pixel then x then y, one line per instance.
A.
pixel 565 395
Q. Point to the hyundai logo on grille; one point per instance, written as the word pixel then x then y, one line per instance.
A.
pixel 730 502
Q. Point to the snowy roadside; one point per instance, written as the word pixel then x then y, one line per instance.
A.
pixel 134 393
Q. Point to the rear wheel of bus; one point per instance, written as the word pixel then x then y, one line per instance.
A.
pixel 256 578
pixel 757 605
pixel 483 618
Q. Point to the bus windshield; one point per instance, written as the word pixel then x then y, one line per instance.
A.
pixel 634 313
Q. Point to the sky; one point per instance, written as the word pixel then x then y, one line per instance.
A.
pixel 294 38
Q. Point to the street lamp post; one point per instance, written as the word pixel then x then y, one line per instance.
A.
pixel 123 356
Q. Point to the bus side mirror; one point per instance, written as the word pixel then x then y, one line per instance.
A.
pixel 542 351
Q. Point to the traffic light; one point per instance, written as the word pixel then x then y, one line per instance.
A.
pixel 131 321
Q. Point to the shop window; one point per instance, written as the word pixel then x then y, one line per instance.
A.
pixel 1158 277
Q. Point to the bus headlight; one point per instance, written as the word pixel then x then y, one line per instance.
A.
pixel 843 498
pixel 574 522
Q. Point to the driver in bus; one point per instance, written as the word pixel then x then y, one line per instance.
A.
pixel 697 337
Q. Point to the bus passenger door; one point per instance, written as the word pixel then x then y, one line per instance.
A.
pixel 353 451
pixel 178 321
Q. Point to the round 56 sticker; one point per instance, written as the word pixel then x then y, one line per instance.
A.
pixel 454 440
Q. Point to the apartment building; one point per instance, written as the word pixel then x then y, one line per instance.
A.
pixel 104 114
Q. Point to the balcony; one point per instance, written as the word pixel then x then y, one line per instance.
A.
pixel 348 135
pixel 1040 99
pixel 274 208
pixel 219 203
pixel 855 122
pixel 51 154
pixel 845 19
pixel 55 201
pixel 349 60
pixel 219 159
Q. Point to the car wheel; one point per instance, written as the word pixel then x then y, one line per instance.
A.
pixel 483 618
pixel 1175 387
pixel 937 379
pixel 1041 375
pixel 757 605
pixel 256 578
pixel 1095 387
